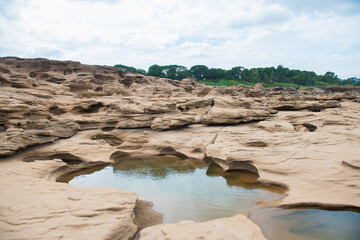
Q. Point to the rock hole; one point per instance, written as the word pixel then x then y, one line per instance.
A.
pixel 247 105
pixel 235 165
pixel 68 71
pixel 3 81
pixel 19 85
pixel 256 144
pixel 171 151
pixel 310 127
pixel 56 110
pixel 2 128
pixel 109 138
pixel 66 157
pixel 286 108
pixel 315 109
pixel 56 80
pixel 107 129
pixel 197 150
pixel 4 70
pixel 92 108
pixel 98 89
pixel 118 155
pixel 181 109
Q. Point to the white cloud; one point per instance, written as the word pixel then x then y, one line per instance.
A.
pixel 188 44
pixel 313 35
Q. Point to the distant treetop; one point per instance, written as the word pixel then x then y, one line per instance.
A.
pixel 130 69
pixel 236 75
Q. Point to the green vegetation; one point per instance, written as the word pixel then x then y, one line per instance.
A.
pixel 130 69
pixel 268 76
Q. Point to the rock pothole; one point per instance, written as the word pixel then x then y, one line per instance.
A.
pixel 109 138
pixel 179 186
pixel 66 157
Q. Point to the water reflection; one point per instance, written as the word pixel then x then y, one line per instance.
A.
pixel 307 224
pixel 243 179
pixel 181 189
pixel 155 166
pixel 68 177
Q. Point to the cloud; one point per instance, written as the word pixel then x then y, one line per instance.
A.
pixel 259 15
pixel 314 35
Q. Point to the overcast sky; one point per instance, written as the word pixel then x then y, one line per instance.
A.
pixel 316 35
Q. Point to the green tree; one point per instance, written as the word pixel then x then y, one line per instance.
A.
pixel 216 73
pixel 330 77
pixel 305 78
pixel 125 68
pixel 156 70
pixel 353 81
pixel 234 73
pixel 199 72
pixel 176 72
pixel 282 74
pixel 245 75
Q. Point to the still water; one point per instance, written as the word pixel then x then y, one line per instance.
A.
pixel 307 224
pixel 182 189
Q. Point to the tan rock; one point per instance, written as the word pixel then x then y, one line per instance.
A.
pixel 238 227
pixel 48 210
pixel 233 116
pixel 315 166
pixel 173 122
pixel 91 114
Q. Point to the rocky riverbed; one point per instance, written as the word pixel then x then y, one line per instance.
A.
pixel 60 117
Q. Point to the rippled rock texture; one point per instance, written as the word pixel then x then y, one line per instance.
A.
pixel 70 117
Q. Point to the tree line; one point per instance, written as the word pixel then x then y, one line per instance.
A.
pixel 267 75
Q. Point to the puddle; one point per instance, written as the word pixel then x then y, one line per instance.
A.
pixel 307 224
pixel 181 189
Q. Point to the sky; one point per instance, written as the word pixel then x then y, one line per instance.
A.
pixel 314 35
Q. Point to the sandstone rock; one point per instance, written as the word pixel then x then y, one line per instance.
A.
pixel 173 122
pixel 234 110
pixel 272 126
pixel 109 138
pixel 51 210
pixel 315 106
pixel 257 91
pixel 16 139
pixel 238 227
pixel 104 113
pixel 315 158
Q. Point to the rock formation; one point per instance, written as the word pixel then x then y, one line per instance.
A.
pixel 57 118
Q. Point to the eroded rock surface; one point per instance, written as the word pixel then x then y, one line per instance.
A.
pixel 34 206
pixel 238 227
pixel 305 141
pixel 310 163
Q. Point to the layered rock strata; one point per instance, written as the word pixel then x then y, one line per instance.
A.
pixel 58 117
